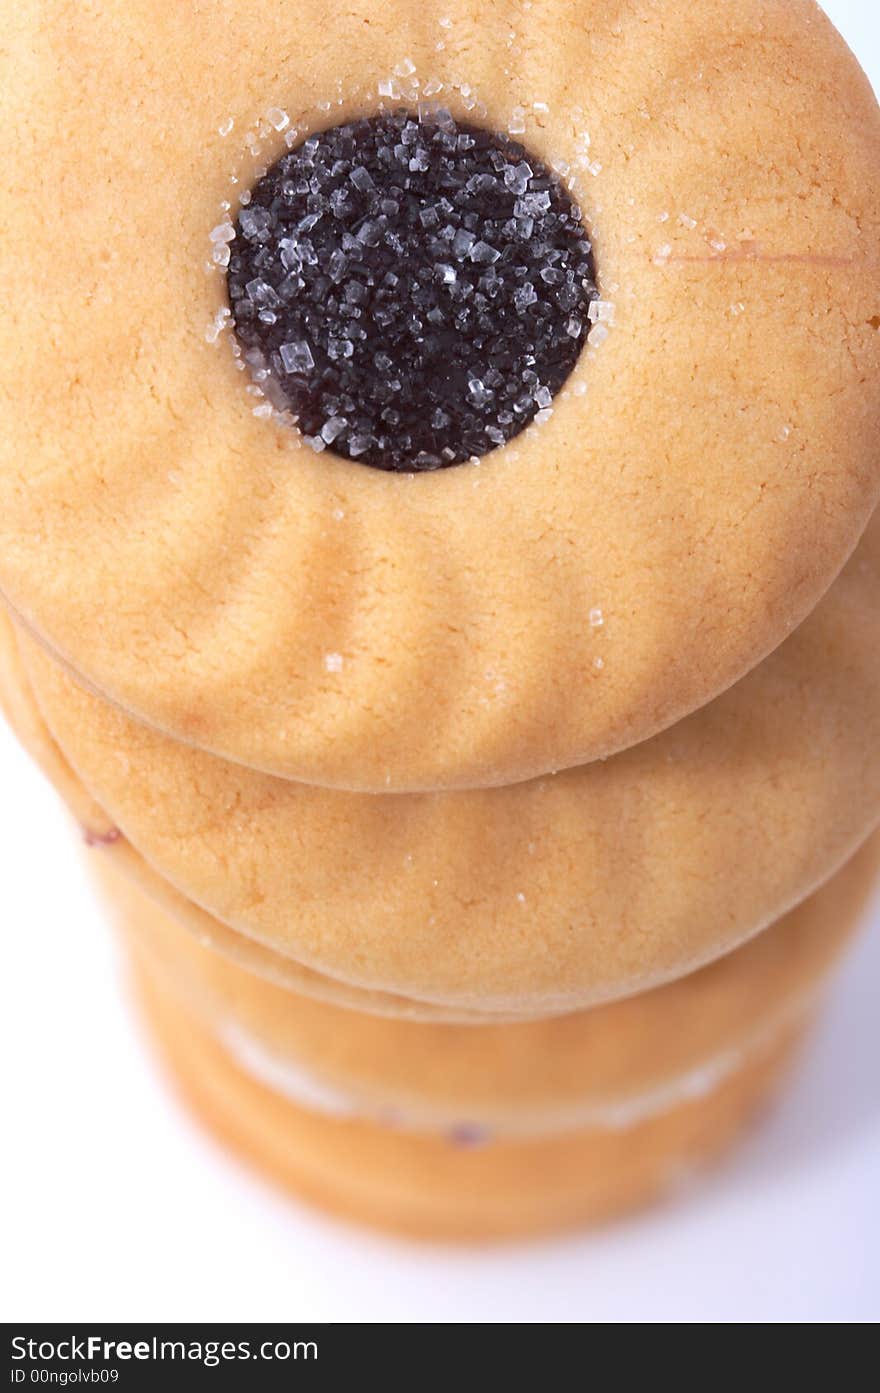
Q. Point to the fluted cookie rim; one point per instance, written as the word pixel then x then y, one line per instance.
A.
pixel 120 863
pixel 103 839
pixel 542 897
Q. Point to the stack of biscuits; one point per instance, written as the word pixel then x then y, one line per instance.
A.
pixel 482 838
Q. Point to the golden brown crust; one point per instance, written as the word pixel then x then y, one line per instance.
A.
pixel 424 1187
pixel 102 835
pixel 610 1066
pixel 545 896
pixel 27 724
pixel 197 566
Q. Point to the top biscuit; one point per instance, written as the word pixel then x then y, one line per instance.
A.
pixel 706 464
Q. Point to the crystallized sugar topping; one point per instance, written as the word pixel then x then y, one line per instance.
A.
pixel 413 291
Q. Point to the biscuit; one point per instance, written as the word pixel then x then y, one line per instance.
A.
pixel 545 896
pixel 424 1186
pixel 703 475
pixel 608 1067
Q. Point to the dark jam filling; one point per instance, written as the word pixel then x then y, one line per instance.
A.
pixel 418 290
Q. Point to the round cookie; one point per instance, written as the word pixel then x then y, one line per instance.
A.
pixel 541 897
pixel 426 1187
pixel 608 569
pixel 608 1067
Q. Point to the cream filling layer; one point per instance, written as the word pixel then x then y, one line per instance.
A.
pixel 302 1086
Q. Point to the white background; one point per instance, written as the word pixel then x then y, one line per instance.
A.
pixel 117 1207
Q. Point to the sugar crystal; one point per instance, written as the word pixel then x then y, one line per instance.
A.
pixel 297 357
